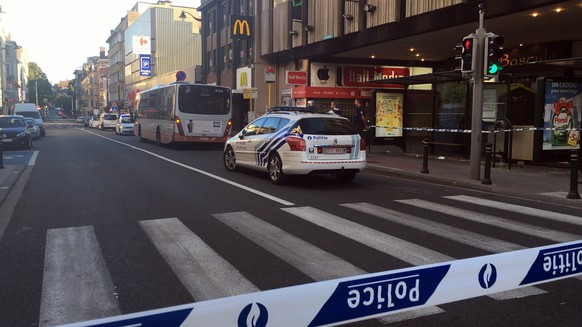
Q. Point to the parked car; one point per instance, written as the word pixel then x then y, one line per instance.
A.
pixel 14 132
pixel 124 125
pixel 33 127
pixel 292 141
pixel 30 110
pixel 107 121
pixel 94 121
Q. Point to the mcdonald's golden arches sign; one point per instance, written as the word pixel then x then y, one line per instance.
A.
pixel 241 27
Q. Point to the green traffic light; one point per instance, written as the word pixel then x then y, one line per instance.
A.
pixel 494 68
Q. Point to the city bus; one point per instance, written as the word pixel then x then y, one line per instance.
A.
pixel 182 112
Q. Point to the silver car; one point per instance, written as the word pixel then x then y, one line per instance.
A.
pixel 33 127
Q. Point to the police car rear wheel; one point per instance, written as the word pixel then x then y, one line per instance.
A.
pixel 275 168
pixel 229 160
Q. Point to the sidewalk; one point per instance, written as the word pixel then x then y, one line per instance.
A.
pixel 546 184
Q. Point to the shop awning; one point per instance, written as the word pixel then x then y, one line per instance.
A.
pixel 574 63
pixel 440 77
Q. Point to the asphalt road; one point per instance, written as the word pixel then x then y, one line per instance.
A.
pixel 95 230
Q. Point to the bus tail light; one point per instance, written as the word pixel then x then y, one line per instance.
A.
pixel 179 124
pixel 227 129
pixel 296 143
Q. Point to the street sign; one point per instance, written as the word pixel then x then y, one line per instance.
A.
pixel 145 65
pixel 270 75
pixel 181 76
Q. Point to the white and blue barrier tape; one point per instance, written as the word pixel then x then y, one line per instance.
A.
pixel 344 300
pixel 468 131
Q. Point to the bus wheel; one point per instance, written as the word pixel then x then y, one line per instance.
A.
pixel 139 133
pixel 275 168
pixel 158 137
pixel 229 159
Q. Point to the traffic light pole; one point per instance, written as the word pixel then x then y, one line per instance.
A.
pixel 477 110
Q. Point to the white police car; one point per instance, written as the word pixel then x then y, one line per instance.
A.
pixel 297 141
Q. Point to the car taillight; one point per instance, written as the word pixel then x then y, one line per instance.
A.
pixel 179 124
pixel 227 129
pixel 295 143
pixel 362 144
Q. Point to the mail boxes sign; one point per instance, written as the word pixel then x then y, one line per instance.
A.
pixel 296 77
pixel 242 27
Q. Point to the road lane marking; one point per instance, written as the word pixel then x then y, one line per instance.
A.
pixel 204 273
pixel 224 180
pixel 316 263
pixel 76 284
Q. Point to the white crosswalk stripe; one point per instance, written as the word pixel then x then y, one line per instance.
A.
pixel 449 232
pixel 508 224
pixel 546 214
pixel 398 248
pixel 204 273
pixel 309 259
pixel 73 259
pixel 76 284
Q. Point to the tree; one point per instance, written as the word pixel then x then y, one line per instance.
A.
pixel 38 86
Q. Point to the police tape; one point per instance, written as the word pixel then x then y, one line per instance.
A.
pixel 340 301
pixel 468 131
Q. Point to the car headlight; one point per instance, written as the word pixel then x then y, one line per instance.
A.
pixel 21 135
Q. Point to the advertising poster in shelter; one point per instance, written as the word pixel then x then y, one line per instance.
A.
pixel 389 110
pixel 562 113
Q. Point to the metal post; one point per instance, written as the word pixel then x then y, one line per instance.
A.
pixel 574 162
pixel 425 157
pixel 477 111
pixel 487 175
pixel 1 154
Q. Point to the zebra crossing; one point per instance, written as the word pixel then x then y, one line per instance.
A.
pixel 75 268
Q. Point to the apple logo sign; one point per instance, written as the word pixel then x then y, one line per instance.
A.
pixel 323 74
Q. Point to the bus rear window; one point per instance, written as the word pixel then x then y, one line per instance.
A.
pixel 203 100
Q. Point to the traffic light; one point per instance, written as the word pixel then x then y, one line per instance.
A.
pixel 493 46
pixel 468 53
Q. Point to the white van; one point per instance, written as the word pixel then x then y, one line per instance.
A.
pixel 30 110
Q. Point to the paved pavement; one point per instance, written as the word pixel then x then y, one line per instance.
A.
pixel 541 183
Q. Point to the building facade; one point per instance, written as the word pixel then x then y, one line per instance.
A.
pixel 326 50
pixel 171 43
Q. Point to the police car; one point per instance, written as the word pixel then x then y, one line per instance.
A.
pixel 297 141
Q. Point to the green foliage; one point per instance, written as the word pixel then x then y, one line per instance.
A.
pixel 38 85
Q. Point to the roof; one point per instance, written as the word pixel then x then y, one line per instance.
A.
pixel 574 63
pixel 448 76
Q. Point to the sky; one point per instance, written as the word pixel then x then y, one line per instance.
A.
pixel 59 35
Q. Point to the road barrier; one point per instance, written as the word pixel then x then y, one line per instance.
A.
pixel 340 301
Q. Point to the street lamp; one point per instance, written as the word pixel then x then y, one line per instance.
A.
pixel 183 16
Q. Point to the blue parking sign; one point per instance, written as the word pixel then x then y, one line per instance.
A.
pixel 144 65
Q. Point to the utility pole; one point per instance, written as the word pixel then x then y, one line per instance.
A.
pixel 477 110
pixel 36 91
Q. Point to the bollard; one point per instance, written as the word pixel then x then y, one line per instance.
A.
pixel 574 162
pixel 1 155
pixel 487 174
pixel 425 157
